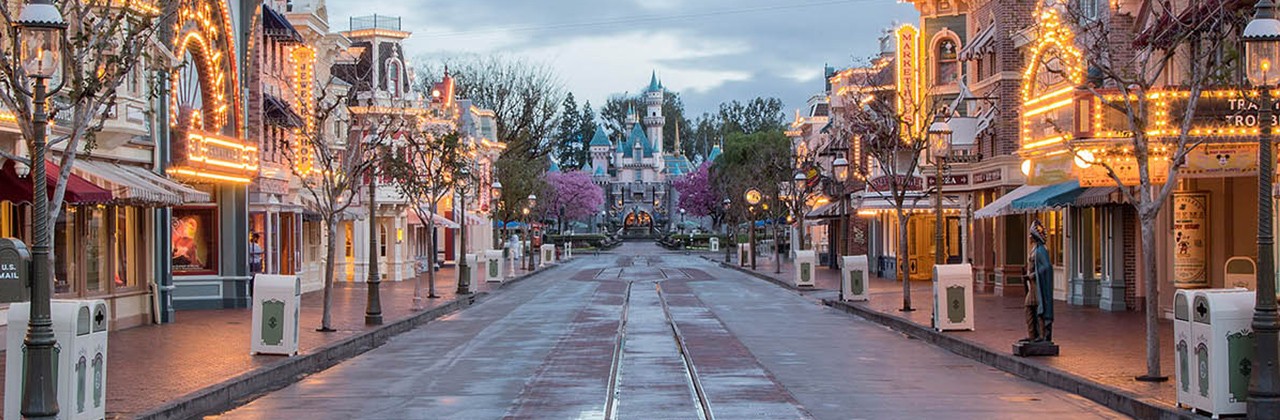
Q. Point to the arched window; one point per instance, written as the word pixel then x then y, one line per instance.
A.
pixel 394 78
pixel 947 70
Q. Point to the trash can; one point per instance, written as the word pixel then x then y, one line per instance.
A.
pixel 80 358
pixel 1183 348
pixel 568 250
pixel 276 301
pixel 853 278
pixel 548 255
pixel 1240 272
pixel 1223 340
pixel 805 260
pixel 744 255
pixel 953 297
pixel 493 265
pixel 714 244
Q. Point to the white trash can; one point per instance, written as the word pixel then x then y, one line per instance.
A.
pixel 548 255
pixel 568 250
pixel 715 244
pixel 493 265
pixel 1184 351
pixel 80 326
pixel 953 297
pixel 805 261
pixel 1223 349
pixel 276 302
pixel 744 255
pixel 853 278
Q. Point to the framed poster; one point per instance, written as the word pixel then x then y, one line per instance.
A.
pixel 194 244
pixel 1190 239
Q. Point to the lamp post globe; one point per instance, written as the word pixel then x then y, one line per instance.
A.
pixel 840 169
pixel 939 147
pixel 799 182
pixel 40 30
pixel 1262 52
pixel 495 190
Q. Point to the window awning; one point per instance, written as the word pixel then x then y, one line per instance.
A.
pixel 278 27
pixel 440 221
pixel 1003 206
pixel 18 189
pixel 1095 197
pixel 912 204
pixel 1049 198
pixel 125 187
pixel 980 44
pixel 280 113
pixel 826 211
pixel 188 194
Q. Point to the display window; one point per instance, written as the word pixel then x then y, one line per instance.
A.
pixel 194 241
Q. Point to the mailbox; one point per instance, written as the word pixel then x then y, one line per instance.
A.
pixel 853 278
pixel 15 261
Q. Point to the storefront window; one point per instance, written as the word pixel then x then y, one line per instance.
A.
pixel 382 241
pixel 194 244
pixel 948 70
pixel 95 249
pixel 64 262
pixel 130 247
pixel 1052 221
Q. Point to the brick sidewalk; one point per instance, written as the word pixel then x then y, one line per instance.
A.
pixel 1107 348
pixel 152 366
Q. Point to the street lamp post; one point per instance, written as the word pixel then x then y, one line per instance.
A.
pixel 939 147
pixel 464 269
pixel 724 223
pixel 801 180
pixel 840 169
pixel 528 235
pixel 495 194
pixel 1262 53
pixel 373 305
pixel 753 198
pixel 40 29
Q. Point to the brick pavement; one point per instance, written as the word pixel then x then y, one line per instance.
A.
pixel 154 365
pixel 1108 348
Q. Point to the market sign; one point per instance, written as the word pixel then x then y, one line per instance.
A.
pixel 1190 262
pixel 949 180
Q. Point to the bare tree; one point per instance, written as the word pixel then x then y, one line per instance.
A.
pixel 1128 64
pixel 105 42
pixel 424 166
pixel 888 127
pixel 330 163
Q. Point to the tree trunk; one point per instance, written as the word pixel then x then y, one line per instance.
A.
pixel 903 260
pixel 331 244
pixel 431 265
pixel 1152 293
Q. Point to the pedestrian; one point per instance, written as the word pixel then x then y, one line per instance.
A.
pixel 255 258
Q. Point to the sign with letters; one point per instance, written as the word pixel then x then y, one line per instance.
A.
pixel 1190 236
pixel 15 261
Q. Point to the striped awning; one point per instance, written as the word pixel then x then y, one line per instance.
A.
pixel 1003 206
pixel 1099 196
pixel 1048 198
pixel 826 211
pixel 126 188
pixel 189 195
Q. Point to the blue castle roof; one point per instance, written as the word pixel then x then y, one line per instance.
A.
pixel 654 85
pixel 637 136
pixel 554 167
pixel 715 153
pixel 600 138
pixel 677 165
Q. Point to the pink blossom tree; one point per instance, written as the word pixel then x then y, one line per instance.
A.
pixel 697 195
pixel 570 196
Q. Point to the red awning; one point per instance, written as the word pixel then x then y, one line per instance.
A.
pixel 79 190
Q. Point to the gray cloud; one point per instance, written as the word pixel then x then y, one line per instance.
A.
pixel 708 50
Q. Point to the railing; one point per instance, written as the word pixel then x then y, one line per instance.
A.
pixel 375 22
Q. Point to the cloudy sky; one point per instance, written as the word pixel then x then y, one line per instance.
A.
pixel 709 51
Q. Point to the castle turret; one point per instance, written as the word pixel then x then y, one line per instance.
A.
pixel 600 146
pixel 653 119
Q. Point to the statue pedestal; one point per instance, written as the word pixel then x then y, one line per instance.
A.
pixel 1035 348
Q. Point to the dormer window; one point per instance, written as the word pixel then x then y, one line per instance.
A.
pixel 394 78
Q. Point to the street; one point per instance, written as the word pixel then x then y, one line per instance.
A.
pixel 642 333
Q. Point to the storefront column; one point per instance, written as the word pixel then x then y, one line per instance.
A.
pixel 233 212
pixel 1085 229
pixel 163 248
pixel 1113 278
pixel 360 248
pixel 1011 255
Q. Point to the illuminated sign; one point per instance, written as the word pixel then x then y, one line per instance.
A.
pixel 213 157
pixel 950 180
pixel 908 74
pixel 904 183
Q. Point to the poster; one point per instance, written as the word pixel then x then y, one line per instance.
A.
pixel 1216 160
pixel 1190 246
pixel 192 241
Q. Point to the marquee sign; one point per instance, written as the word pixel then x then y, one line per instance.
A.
pixel 214 157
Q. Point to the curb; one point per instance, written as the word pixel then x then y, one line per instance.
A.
pixel 230 393
pixel 1111 397
pixel 761 276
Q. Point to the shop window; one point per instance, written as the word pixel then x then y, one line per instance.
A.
pixel 63 263
pixel 1052 221
pixel 95 249
pixel 194 241
pixel 130 248
pixel 13 221
pixel 349 246
pixel 382 241
pixel 948 67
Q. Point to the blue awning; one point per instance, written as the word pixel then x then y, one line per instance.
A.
pixel 277 26
pixel 1050 197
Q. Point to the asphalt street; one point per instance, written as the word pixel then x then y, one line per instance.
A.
pixel 641 333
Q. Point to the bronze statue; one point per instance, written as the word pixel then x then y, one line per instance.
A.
pixel 1039 300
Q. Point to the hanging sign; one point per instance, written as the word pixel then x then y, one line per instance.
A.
pixel 1190 233
pixel 1219 160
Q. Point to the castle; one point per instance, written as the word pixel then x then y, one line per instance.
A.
pixel 636 173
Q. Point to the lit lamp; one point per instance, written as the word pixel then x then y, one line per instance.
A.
pixel 939 148
pixel 840 169
pixel 724 221
pixel 753 198
pixel 1262 51
pixel 40 32
pixel 495 194
pixel 464 269
pixel 532 202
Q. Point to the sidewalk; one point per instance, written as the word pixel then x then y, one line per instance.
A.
pixel 1101 352
pixel 202 362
